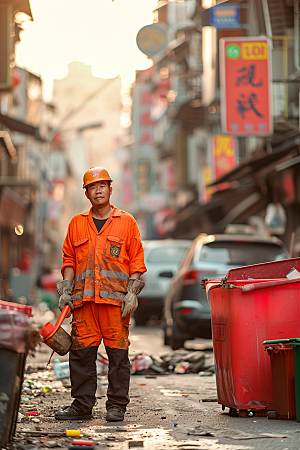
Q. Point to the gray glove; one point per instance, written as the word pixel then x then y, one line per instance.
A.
pixel 130 301
pixel 64 289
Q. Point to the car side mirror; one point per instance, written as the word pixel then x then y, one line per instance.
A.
pixel 168 274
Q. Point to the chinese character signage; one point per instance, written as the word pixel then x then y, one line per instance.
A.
pixel 245 75
pixel 224 154
pixel 225 17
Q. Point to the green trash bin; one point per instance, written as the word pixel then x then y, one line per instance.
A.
pixel 295 343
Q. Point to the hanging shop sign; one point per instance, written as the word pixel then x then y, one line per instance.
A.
pixel 151 39
pixel 245 72
pixel 224 154
pixel 225 17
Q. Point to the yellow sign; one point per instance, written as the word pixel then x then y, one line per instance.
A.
pixel 254 50
pixel 224 146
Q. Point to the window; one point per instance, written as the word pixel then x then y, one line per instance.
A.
pixel 241 253
pixel 166 255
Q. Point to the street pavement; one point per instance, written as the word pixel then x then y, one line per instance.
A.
pixel 174 411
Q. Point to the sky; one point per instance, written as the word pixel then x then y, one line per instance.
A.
pixel 101 33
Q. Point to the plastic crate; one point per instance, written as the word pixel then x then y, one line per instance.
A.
pixel 23 309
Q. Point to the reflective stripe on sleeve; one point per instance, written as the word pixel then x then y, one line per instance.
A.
pixel 83 275
pixel 113 295
pixel 113 274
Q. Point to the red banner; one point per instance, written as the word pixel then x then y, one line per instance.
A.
pixel 245 76
pixel 224 154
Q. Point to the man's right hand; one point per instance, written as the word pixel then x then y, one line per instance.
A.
pixel 64 289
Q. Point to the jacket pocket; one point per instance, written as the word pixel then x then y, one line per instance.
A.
pixel 81 249
pixel 115 248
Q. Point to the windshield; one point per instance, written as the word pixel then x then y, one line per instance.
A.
pixel 166 254
pixel 241 253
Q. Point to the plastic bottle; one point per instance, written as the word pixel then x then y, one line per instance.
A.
pixel 61 370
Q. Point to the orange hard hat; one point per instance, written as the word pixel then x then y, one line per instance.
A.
pixel 95 174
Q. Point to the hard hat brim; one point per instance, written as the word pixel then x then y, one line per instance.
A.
pixel 95 181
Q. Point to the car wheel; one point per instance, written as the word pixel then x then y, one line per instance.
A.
pixel 177 343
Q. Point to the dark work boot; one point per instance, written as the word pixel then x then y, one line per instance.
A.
pixel 70 413
pixel 115 414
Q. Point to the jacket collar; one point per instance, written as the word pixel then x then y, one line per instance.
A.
pixel 115 212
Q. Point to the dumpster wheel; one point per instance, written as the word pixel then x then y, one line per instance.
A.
pixel 247 412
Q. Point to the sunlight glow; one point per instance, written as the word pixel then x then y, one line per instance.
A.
pixel 99 33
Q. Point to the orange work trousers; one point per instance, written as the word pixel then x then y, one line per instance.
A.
pixel 93 322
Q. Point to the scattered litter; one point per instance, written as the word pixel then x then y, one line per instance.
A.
pixel 208 400
pixel 32 413
pixel 72 433
pixel 238 435
pixel 143 384
pixel 199 431
pixel 81 447
pixel 175 424
pixel 27 446
pixel 181 367
pixel 61 370
pixel 205 374
pixel 51 444
pixel 36 420
pixel 81 442
pixel 179 361
pixel 141 362
pixel 293 274
pixel 20 417
pixel 47 389
pixel 135 444
pixel 102 365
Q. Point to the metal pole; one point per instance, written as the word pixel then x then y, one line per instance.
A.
pixel 285 75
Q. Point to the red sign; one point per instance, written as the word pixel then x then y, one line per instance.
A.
pixel 245 72
pixel 224 154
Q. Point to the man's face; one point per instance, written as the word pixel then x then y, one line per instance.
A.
pixel 98 193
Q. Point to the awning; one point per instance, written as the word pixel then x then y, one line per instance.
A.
pixel 8 145
pixel 261 161
pixel 175 50
pixel 21 127
pixel 190 116
pixel 18 182
pixel 225 207
pixel 20 5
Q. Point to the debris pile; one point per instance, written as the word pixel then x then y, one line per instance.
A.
pixel 180 361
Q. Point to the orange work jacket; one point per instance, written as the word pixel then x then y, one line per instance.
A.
pixel 103 262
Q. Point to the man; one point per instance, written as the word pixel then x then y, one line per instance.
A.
pixel 103 259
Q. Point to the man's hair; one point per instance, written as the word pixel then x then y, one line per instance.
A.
pixel 107 181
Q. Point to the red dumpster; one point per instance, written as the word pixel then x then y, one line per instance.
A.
pixel 241 321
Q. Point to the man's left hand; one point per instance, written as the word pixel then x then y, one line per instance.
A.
pixel 130 301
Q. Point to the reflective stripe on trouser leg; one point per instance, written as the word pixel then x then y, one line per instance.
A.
pixel 83 373
pixel 118 378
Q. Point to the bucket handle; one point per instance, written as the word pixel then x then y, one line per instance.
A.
pixel 65 312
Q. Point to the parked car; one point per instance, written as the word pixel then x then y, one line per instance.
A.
pixel 162 259
pixel 187 312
